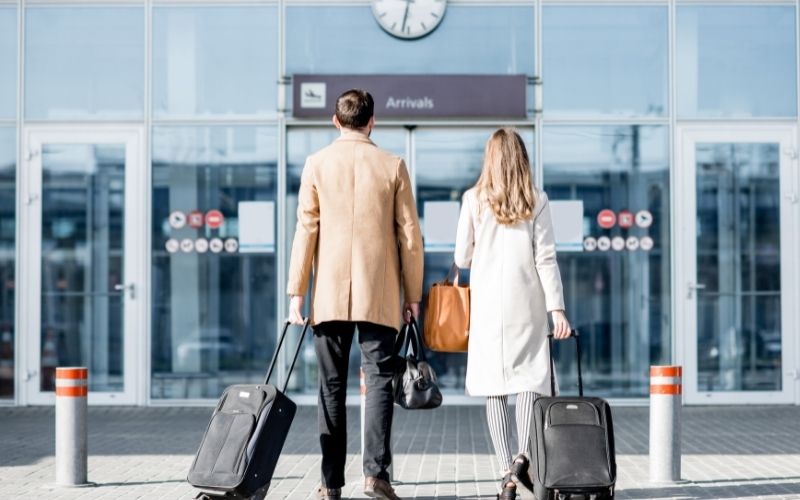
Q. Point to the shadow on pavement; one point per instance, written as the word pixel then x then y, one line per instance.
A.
pixel 744 489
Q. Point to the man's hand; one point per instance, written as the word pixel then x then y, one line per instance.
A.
pixel 561 328
pixel 296 310
pixel 410 309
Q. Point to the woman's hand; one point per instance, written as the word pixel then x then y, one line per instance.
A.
pixel 561 327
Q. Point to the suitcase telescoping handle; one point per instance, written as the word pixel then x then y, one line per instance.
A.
pixel 574 334
pixel 278 350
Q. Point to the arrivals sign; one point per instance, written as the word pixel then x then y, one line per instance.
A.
pixel 416 96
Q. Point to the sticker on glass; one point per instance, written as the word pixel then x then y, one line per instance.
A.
pixel 646 243
pixel 173 245
pixel 632 243
pixel 216 245
pixel 589 244
pixel 618 243
pixel 196 219
pixel 625 219
pixel 177 219
pixel 201 245
pixel 603 243
pixel 231 245
pixel 644 218
pixel 187 245
pixel 606 219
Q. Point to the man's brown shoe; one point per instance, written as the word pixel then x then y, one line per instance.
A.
pixel 378 488
pixel 324 493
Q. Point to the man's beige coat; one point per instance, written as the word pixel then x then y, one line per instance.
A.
pixel 357 225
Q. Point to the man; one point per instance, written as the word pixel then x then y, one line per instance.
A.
pixel 357 224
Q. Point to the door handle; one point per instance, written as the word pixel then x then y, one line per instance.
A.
pixel 30 374
pixel 691 287
pixel 131 287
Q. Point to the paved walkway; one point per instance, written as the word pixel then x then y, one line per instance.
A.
pixel 144 453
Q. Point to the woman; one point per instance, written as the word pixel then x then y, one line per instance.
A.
pixel 506 236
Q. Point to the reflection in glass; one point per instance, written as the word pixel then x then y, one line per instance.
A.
pixel 736 61
pixel 301 142
pixel 8 61
pixel 738 261
pixel 471 39
pixel 447 163
pixel 83 230
pixel 215 60
pixel 605 60
pixel 213 316
pixel 84 62
pixel 8 198
pixel 618 300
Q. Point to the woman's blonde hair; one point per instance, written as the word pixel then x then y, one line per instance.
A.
pixel 505 183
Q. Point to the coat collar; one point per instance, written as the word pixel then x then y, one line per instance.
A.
pixel 352 135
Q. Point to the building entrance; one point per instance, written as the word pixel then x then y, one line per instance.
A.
pixel 443 162
pixel 738 292
pixel 81 231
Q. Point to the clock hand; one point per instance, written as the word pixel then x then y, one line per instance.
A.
pixel 405 17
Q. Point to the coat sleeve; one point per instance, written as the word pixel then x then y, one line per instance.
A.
pixel 306 232
pixel 544 254
pixel 409 237
pixel 465 235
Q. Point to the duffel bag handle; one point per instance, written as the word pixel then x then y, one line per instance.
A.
pixel 574 334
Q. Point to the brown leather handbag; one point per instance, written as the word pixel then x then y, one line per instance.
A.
pixel 447 315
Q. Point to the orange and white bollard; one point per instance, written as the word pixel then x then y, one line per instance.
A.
pixel 665 423
pixel 72 390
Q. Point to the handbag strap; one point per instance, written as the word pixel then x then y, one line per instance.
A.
pixel 409 341
pixel 454 272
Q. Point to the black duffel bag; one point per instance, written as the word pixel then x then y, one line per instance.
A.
pixel 415 386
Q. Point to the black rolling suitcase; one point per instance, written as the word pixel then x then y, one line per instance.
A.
pixel 244 439
pixel 572 442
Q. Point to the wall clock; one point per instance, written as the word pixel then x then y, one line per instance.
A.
pixel 409 19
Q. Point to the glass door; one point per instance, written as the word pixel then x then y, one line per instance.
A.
pixel 83 251
pixel 739 292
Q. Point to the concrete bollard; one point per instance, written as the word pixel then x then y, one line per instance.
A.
pixel 363 404
pixel 665 423
pixel 72 389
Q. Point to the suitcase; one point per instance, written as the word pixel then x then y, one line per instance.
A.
pixel 572 443
pixel 243 441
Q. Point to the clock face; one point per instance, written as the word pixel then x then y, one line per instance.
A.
pixel 409 18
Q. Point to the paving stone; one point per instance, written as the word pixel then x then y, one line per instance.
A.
pixel 144 453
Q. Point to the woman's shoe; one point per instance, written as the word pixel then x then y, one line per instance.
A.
pixel 509 488
pixel 520 472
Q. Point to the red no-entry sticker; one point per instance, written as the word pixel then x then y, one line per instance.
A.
pixel 606 219
pixel 214 219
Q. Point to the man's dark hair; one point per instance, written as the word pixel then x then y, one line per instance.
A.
pixel 354 108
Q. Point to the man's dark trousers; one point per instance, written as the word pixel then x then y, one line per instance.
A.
pixel 332 341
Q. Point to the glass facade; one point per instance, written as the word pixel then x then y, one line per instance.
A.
pixel 605 60
pixel 477 40
pixel 210 92
pixel 213 305
pixel 83 235
pixel 8 62
pixel 739 341
pixel 619 299
pixel 736 61
pixel 215 61
pixel 84 62
pixel 8 226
